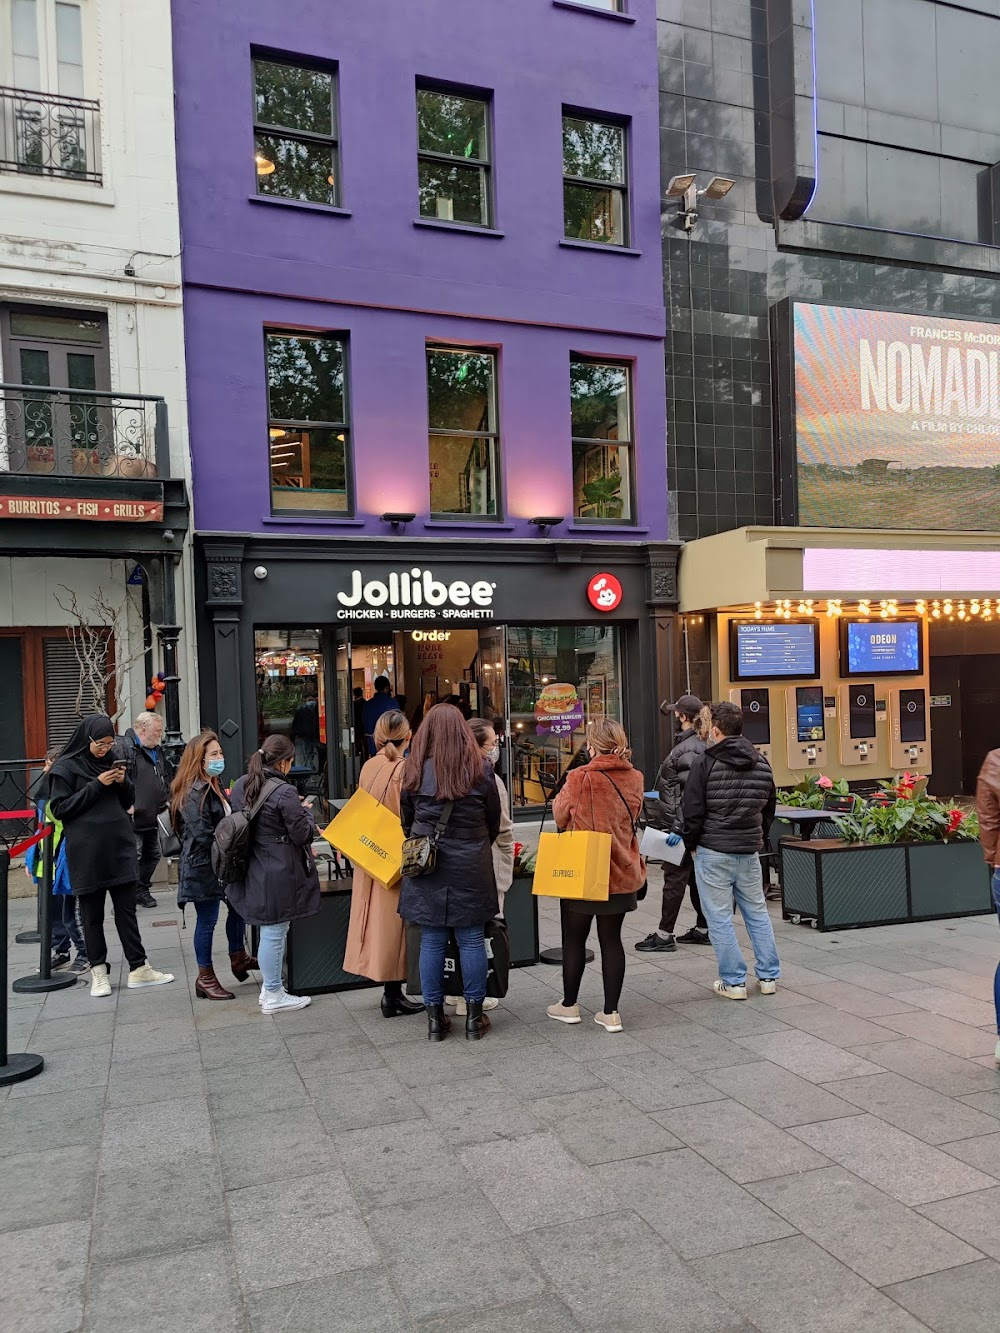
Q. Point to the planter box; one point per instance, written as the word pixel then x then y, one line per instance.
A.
pixel 521 912
pixel 842 885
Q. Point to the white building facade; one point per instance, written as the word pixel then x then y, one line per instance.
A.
pixel 93 444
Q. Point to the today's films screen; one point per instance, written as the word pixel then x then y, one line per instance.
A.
pixel 897 420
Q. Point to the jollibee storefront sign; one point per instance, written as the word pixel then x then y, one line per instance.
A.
pixel 414 594
pixel 604 592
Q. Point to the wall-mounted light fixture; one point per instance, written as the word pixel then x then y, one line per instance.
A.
pixel 685 188
pixel 546 521
pixel 398 521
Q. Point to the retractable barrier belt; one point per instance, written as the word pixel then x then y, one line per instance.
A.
pixel 28 842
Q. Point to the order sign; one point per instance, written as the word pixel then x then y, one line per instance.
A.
pixel 604 592
pixel 105 511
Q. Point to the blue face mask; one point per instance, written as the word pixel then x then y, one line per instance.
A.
pixel 215 768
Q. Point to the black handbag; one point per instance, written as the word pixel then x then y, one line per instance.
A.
pixel 420 853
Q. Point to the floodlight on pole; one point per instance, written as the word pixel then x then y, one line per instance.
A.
pixel 685 188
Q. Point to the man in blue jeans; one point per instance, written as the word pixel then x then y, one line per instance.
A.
pixel 728 805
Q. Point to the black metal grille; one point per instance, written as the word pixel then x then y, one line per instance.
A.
pixel 46 134
pixel 81 433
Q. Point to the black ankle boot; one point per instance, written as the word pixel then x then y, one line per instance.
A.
pixel 438 1025
pixel 395 1004
pixel 476 1023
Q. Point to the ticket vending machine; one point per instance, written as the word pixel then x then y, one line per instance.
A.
pixel 908 729
pixel 858 744
pixel 805 725
pixel 756 705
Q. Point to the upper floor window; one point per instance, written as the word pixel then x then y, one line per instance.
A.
pixel 595 179
pixel 453 157
pixel 47 125
pixel 308 425
pixel 601 413
pixel 615 6
pixel 296 152
pixel 464 433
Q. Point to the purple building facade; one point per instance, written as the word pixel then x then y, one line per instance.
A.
pixel 424 310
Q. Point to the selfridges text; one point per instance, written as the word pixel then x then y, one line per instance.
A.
pixel 415 594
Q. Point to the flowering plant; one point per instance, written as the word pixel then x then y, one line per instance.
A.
pixel 809 793
pixel 524 860
pixel 902 811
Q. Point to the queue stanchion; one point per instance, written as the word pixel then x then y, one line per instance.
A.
pixel 14 1068
pixel 43 980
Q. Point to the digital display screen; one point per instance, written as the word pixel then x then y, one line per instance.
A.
pixel 809 721
pixel 912 716
pixel 897 419
pixel 766 650
pixel 756 705
pixel 862 712
pixel 881 648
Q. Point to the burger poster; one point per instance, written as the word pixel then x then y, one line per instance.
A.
pixel 559 710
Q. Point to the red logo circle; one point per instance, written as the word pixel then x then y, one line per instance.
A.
pixel 604 592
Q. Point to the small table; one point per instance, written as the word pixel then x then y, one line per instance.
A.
pixel 805 821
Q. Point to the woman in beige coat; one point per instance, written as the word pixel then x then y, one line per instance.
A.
pixel 376 935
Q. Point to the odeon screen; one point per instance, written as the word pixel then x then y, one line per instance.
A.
pixel 897 420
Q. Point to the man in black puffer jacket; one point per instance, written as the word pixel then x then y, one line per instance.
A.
pixel 670 783
pixel 728 807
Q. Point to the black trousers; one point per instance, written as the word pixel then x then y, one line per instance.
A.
pixel 147 849
pixel 675 880
pixel 92 920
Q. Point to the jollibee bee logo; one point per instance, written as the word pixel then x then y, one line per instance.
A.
pixel 604 592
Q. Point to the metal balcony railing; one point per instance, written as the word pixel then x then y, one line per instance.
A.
pixel 82 433
pixel 45 134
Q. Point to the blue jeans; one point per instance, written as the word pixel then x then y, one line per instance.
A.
pixel 722 877
pixel 207 914
pixel 995 886
pixel 471 952
pixel 65 927
pixel 271 954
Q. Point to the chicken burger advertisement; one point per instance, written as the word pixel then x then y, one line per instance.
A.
pixel 558 710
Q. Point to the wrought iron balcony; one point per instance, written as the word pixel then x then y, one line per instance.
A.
pixel 82 433
pixel 45 134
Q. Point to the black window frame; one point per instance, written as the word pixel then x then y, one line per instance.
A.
pixel 332 139
pixel 495 436
pixel 622 123
pixel 485 165
pixel 590 442
pixel 299 424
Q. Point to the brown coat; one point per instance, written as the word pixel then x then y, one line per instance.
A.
pixel 376 936
pixel 988 806
pixel 588 801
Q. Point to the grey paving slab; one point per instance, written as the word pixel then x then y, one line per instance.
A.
pixel 66 1071
pixel 832 1025
pixel 729 1019
pixel 538 1316
pixel 539 1071
pixel 413 1237
pixel 950 1074
pixel 44 1272
pixel 694 1047
pixel 72 1034
pixel 683 1197
pixel 612 1132
pixel 789 1286
pixel 982 1152
pixel 192 1289
pixel 340 1051
pixel 944 1034
pixel 951 979
pixel 56 1185
pixel 665 988
pixel 236 1090
pixel 248 1043
pixel 895 1162
pixel 356 1101
pixel 478 1110
pixel 961 1300
pixel 863 975
pixel 874 1235
pixel 455 1060
pixel 809 1057
pixel 973 1217
pixel 156 1078
pixel 588 1041
pixel 652 1082
pixel 162 1132
pixel 856 1000
pixel 534 1182
pixel 144 1209
pixel 911 1107
pixel 345 1303
pixel 293 1142
pixel 55 1120
pixel 987 1102
pixel 606 1297
pixel 391 1164
pixel 777 1094
pixel 962 1008
pixel 739 1142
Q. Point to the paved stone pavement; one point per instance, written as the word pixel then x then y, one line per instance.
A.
pixel 827 1159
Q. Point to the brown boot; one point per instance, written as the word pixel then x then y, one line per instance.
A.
pixel 208 986
pixel 241 963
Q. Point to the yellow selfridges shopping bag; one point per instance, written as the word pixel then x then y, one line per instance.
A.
pixel 370 836
pixel 573 865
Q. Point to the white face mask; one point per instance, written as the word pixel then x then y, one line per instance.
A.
pixel 494 754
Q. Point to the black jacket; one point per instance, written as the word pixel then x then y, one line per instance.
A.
pixel 729 799
pixel 199 817
pixel 281 883
pixel 100 844
pixel 672 778
pixel 461 890
pixel 148 775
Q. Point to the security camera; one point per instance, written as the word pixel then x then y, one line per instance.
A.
pixel 260 572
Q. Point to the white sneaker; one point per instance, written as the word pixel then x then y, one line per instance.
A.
pixel 610 1022
pixel 729 992
pixel 768 986
pixel 147 976
pixel 996 1053
pixel 100 980
pixel 460 1007
pixel 281 1002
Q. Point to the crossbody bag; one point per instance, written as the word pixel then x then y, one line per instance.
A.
pixel 420 853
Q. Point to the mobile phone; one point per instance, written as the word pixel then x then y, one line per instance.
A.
pixel 309 800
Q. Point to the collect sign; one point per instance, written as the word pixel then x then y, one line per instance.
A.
pixel 102 510
pixel 604 592
pixel 414 594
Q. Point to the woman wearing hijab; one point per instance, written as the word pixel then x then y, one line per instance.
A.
pixel 90 793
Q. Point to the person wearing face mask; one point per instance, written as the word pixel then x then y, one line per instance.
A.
pixel 728 807
pixel 281 883
pixel 197 804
